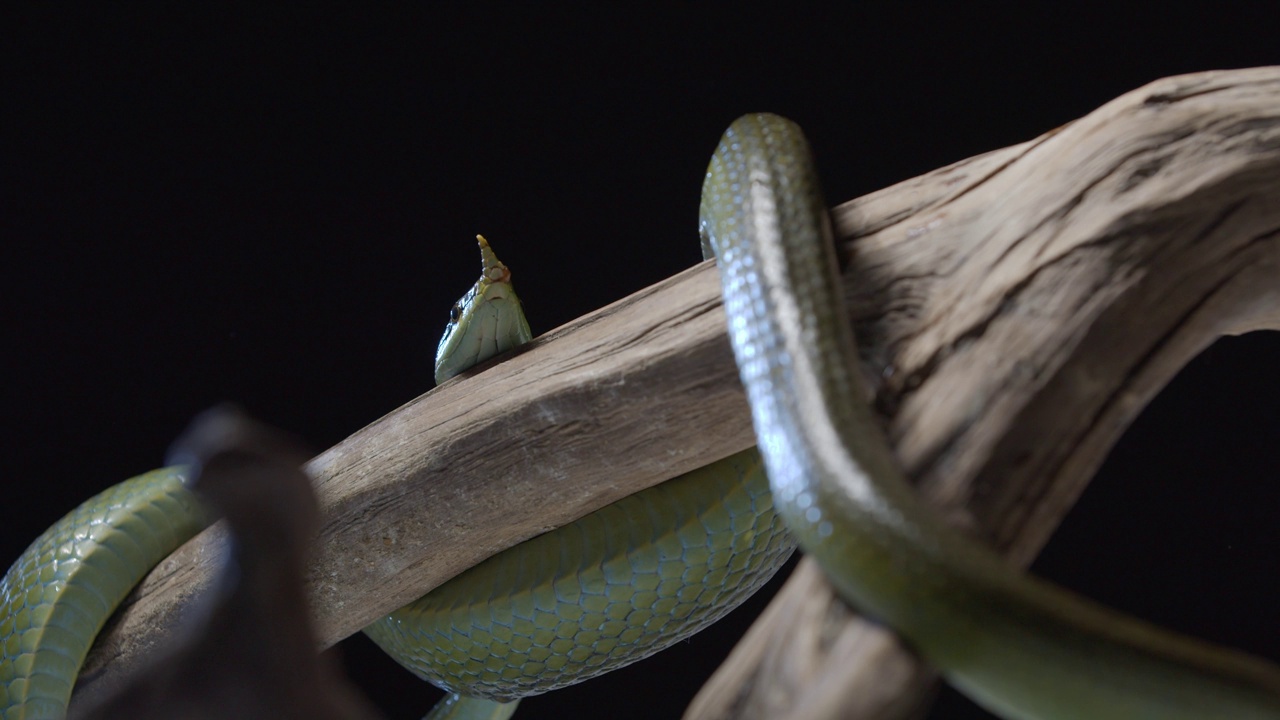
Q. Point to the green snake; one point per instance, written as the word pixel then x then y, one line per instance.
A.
pixel 629 579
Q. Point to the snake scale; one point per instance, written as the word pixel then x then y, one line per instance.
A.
pixel 620 583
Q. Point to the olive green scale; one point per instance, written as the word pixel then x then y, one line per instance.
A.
pixel 604 591
pixel 59 593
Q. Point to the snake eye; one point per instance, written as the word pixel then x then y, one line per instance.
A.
pixel 455 312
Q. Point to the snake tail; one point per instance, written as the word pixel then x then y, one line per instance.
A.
pixel 60 592
pixel 1022 647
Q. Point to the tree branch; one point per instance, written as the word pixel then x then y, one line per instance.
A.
pixel 1019 308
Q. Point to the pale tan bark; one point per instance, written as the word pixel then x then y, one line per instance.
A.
pixel 1016 311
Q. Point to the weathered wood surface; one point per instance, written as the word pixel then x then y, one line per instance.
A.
pixel 1017 310
pixel 1020 308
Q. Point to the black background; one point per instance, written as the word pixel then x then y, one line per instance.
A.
pixel 277 207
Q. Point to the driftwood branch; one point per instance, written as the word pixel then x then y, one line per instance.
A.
pixel 1019 308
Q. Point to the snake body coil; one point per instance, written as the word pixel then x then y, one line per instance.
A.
pixel 58 594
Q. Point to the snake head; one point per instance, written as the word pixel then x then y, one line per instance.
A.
pixel 485 322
